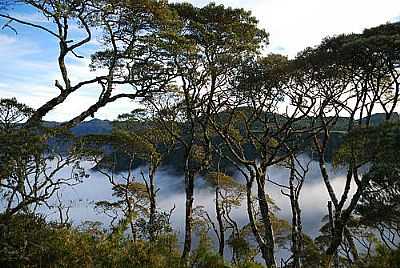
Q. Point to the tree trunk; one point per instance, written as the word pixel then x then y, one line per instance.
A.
pixel 336 238
pixel 269 244
pixel 189 188
pixel 297 237
pixel 267 252
pixel 254 229
pixel 341 220
pixel 220 223
pixel 152 199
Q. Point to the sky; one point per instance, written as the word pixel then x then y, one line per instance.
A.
pixel 28 59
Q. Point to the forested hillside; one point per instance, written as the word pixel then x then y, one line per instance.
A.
pixel 174 160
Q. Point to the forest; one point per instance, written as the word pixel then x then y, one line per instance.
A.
pixel 211 106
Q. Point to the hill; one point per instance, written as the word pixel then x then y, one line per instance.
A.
pixel 175 160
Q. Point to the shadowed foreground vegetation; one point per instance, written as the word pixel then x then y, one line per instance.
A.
pixel 28 241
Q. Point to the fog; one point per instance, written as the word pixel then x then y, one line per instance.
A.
pixel 82 197
pixel 313 198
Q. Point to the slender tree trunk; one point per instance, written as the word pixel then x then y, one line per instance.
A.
pixel 332 253
pixel 267 252
pixel 189 188
pixel 220 223
pixel 152 199
pixel 297 237
pixel 341 220
pixel 269 244
pixel 249 202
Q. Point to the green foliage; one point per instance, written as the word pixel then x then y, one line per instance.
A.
pixel 31 242
pixel 244 252
pixel 204 256
pixel 28 165
pixel 385 258
pixel 312 254
pixel 221 36
pixel 250 265
pixel 13 113
pixel 378 147
pixel 370 145
pixel 160 227
pixel 221 180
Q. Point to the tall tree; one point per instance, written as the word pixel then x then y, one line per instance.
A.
pixel 142 124
pixel 249 122
pixel 129 54
pixel 212 40
pixel 350 75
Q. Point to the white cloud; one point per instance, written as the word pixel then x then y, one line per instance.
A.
pixel 313 198
pixel 15 47
pixel 293 25
pixel 298 24
pixel 6 40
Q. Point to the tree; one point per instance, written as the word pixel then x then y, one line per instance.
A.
pixel 122 25
pixel 379 203
pixel 256 134
pixel 134 199
pixel 228 194
pixel 210 41
pixel 160 144
pixel 350 75
pixel 297 176
pixel 29 166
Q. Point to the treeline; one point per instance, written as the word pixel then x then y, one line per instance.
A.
pixel 205 88
pixel 174 162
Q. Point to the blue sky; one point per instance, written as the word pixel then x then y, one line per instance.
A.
pixel 28 60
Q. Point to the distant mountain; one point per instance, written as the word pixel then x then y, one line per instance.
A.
pixel 379 118
pixel 175 161
pixel 98 126
pixel 94 126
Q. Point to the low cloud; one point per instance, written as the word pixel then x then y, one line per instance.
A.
pixel 313 199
